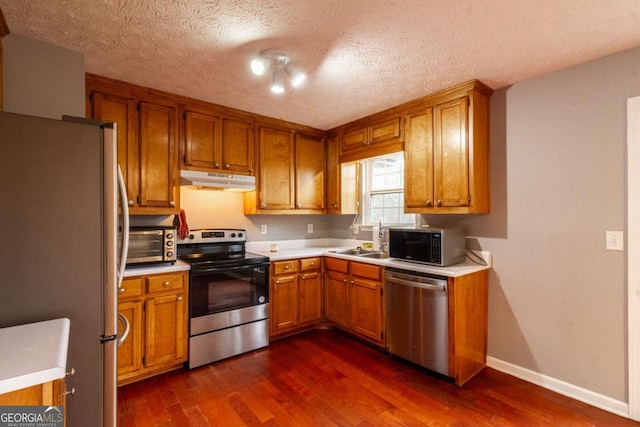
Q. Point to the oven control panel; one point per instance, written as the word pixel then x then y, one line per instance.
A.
pixel 214 236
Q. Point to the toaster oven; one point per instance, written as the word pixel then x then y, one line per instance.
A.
pixel 149 245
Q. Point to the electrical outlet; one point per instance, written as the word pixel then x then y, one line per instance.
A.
pixel 263 229
pixel 615 241
pixel 309 228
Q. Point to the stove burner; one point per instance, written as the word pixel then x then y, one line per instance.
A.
pixel 207 249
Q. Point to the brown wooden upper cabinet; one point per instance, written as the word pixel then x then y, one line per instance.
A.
pixel 147 132
pixel 372 137
pixel 217 142
pixel 291 167
pixel 447 152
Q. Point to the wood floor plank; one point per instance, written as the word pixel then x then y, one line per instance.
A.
pixel 324 378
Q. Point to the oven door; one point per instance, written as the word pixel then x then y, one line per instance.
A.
pixel 219 290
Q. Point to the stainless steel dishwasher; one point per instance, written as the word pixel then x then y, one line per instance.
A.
pixel 417 318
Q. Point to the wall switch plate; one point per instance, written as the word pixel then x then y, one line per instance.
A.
pixel 263 229
pixel 309 228
pixel 615 240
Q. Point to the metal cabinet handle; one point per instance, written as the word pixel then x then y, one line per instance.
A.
pixel 298 205
pixel 179 298
pixel 71 373
pixel 313 263
pixel 264 205
pixel 438 202
pixel 227 165
pixel 122 290
pixel 277 281
pixel 303 277
pixel 286 267
pixel 165 284
pixel 127 328
pixel 71 392
pixel 344 280
pixel 130 202
pixel 172 203
pixel 216 164
pixel 428 202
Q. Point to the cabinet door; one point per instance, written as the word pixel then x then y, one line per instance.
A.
pixel 130 352
pixel 310 309
pixel 276 169
pixel 384 131
pixel 451 154
pixel 123 112
pixel 366 309
pixel 354 139
pixel 238 146
pixel 202 140
pixel 418 168
pixel 309 168
pixel 336 299
pixel 333 176
pixel 165 326
pixel 158 157
pixel 284 301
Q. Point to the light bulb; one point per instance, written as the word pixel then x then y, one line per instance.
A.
pixel 258 67
pixel 277 85
pixel 296 76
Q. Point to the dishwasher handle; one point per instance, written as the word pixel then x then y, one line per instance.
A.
pixel 426 286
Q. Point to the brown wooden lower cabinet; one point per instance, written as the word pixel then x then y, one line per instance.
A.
pixel 295 295
pixel 50 393
pixel 156 308
pixel 468 323
pixel 353 298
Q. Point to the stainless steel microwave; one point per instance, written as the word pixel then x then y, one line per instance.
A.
pixel 149 245
pixel 433 246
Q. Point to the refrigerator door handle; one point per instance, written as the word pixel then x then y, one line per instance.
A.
pixel 124 245
pixel 127 328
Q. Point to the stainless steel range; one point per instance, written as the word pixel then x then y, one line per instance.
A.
pixel 229 295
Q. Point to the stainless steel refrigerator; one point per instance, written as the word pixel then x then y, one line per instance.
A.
pixel 59 249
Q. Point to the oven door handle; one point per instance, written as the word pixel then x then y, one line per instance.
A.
pixel 198 271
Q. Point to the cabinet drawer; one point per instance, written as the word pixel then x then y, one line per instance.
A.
pixel 368 271
pixel 165 282
pixel 130 288
pixel 310 264
pixel 336 264
pixel 280 267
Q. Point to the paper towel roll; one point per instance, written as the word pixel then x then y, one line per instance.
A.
pixel 375 230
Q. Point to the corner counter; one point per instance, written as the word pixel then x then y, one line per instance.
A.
pixel 34 353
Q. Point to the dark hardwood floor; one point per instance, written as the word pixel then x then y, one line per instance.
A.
pixel 322 378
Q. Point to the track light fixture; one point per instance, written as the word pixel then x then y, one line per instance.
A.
pixel 281 65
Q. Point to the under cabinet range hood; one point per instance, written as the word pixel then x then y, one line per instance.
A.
pixel 217 181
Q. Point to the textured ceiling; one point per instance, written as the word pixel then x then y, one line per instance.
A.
pixel 361 56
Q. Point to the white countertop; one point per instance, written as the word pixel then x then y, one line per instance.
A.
pixel 298 249
pixel 288 249
pixel 33 354
pixel 155 269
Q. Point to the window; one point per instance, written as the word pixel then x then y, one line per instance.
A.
pixel 383 191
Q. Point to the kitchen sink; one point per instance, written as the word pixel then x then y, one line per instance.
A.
pixel 359 252
pixel 353 251
pixel 379 255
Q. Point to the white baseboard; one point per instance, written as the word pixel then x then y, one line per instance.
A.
pixel 587 396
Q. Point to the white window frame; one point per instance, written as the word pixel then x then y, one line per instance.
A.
pixel 365 191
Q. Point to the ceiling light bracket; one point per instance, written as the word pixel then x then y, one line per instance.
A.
pixel 280 63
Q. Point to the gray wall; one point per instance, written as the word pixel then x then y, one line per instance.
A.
pixel 557 297
pixel 41 79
